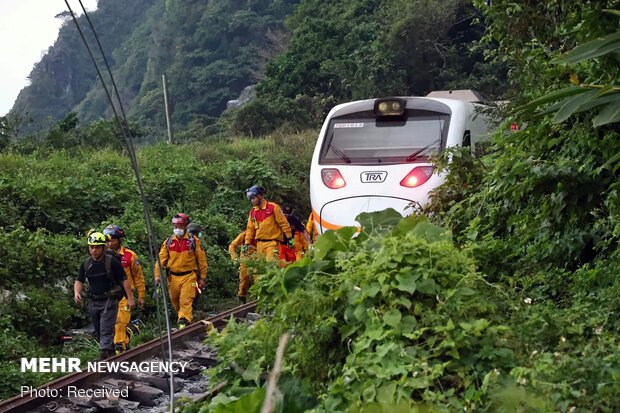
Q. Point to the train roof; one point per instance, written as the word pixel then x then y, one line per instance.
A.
pixel 467 95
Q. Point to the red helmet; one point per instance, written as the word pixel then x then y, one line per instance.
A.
pixel 181 219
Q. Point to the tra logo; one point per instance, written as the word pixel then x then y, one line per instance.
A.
pixel 373 176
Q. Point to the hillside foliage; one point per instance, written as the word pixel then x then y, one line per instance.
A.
pixel 210 51
pixel 305 55
pixel 52 197
pixel 532 231
pixel 501 295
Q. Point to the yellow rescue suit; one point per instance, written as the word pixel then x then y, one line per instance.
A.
pixel 267 227
pixel 133 270
pixel 186 261
pixel 244 279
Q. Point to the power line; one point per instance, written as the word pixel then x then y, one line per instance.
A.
pixel 126 133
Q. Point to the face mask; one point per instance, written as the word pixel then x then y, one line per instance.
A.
pixel 179 232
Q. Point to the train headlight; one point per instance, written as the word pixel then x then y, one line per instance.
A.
pixel 389 107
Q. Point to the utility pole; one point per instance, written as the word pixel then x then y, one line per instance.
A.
pixel 165 83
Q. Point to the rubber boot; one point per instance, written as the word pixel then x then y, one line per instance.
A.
pixel 119 348
pixel 182 323
pixel 243 300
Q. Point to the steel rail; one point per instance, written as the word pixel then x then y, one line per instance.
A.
pixel 27 403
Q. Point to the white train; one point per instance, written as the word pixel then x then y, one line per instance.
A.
pixel 374 154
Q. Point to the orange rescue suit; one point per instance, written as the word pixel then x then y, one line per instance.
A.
pixel 184 267
pixel 133 270
pixel 311 228
pixel 267 227
pixel 244 279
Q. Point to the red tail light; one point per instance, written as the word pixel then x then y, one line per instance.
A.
pixel 417 176
pixel 332 178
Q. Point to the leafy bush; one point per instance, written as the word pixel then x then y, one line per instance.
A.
pixel 45 191
pixel 38 258
pixel 542 220
pixel 265 115
pixel 42 313
pixel 49 199
pixel 392 317
pixel 14 345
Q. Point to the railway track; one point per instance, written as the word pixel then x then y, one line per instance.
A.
pixel 98 391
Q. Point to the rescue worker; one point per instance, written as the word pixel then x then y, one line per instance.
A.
pixel 267 226
pixel 245 253
pixel 186 262
pixel 135 275
pixel 301 239
pixel 106 281
pixel 311 228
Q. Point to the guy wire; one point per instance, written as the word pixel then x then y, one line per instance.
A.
pixel 124 129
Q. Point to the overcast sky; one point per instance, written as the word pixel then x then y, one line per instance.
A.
pixel 27 29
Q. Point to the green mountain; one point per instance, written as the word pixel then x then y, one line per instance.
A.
pixel 305 55
pixel 210 51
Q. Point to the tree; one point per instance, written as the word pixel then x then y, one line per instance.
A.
pixel 601 96
pixel 5 133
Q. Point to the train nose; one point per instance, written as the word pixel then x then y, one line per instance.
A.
pixel 344 211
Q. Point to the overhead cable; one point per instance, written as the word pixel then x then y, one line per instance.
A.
pixel 126 134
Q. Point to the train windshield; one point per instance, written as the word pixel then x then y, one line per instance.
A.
pixel 363 138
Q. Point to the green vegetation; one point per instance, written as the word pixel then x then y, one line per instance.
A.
pixel 210 51
pixel 392 317
pixel 52 197
pixel 351 49
pixel 305 55
pixel 513 306
pixel 501 295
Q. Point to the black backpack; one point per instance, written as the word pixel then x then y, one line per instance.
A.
pixel 117 291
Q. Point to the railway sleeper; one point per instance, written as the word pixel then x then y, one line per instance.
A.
pixel 144 392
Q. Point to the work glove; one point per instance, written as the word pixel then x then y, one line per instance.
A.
pixel 245 248
pixel 290 243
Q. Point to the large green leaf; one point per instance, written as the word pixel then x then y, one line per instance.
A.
pixel 332 241
pixel 552 97
pixel 610 114
pixel 298 271
pixel 246 404
pixel 611 11
pixel 386 393
pixel 408 223
pixel 431 232
pixel 392 318
pixel 598 100
pixel 592 49
pixel 572 104
pixel 427 286
pixel 379 220
pixel 407 282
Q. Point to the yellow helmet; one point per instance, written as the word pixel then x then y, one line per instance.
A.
pixel 97 238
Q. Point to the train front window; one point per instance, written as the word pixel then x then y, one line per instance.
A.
pixel 361 138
